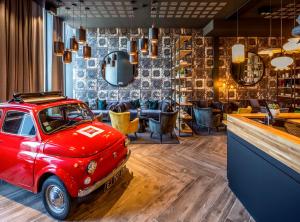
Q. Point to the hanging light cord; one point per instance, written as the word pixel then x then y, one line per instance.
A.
pixel 281 25
pixel 270 18
pixel 80 12
pixel 237 23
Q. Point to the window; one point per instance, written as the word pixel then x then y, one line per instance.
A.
pixel 60 117
pixel 19 123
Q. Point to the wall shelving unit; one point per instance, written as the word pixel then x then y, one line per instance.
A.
pixel 182 82
pixel 288 85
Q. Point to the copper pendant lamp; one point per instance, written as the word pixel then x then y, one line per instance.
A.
pixel 81 33
pixel 134 59
pixel 153 50
pixel 67 56
pixel 58 47
pixel 153 34
pixel 132 47
pixel 74 44
pixel 143 45
pixel 87 52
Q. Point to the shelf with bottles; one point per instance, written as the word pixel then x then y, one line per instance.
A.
pixel 184 42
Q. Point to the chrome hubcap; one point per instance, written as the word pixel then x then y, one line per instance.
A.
pixel 55 199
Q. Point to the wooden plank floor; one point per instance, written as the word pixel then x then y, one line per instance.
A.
pixel 184 182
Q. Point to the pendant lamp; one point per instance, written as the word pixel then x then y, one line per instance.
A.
pixel 296 30
pixel 134 59
pixel 74 44
pixel 81 34
pixel 292 46
pixel 87 52
pixel 132 47
pixel 238 53
pixel 58 47
pixel 269 51
pixel 67 56
pixel 143 45
pixel 153 50
pixel 296 40
pixel 238 50
pixel 281 62
pixel 153 34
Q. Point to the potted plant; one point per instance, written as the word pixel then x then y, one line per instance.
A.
pixel 274 109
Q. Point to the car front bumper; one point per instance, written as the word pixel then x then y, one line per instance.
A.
pixel 88 190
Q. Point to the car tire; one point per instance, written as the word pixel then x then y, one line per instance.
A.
pixel 56 198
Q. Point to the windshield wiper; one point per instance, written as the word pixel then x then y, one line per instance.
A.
pixel 62 127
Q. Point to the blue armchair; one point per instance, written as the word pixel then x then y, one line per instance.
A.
pixel 204 118
pixel 166 124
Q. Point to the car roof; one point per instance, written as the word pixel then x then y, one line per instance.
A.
pixel 35 106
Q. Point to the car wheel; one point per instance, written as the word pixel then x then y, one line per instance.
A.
pixel 56 198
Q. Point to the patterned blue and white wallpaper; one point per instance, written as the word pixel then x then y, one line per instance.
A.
pixel 154 76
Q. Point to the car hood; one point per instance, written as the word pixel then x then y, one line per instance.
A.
pixel 83 140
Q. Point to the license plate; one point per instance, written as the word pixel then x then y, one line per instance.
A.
pixel 113 180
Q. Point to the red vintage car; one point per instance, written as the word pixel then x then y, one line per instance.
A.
pixel 55 145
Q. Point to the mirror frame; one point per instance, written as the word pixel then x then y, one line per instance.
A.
pixel 134 67
pixel 253 84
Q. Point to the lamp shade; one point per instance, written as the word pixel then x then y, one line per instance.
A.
pixel 291 47
pixel 67 56
pixel 73 44
pixel 269 51
pixel 134 59
pixel 132 47
pixel 143 45
pixel 59 48
pixel 296 40
pixel 238 53
pixel 153 50
pixel 282 62
pixel 296 31
pixel 81 35
pixel 153 34
pixel 87 52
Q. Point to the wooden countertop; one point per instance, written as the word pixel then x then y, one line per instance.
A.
pixel 280 145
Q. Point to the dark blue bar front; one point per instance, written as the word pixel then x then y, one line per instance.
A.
pixel 268 189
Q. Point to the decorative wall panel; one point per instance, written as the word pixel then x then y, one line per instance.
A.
pixel 265 89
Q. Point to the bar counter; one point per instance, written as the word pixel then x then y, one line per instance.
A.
pixel 264 167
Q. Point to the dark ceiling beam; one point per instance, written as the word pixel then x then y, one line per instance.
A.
pixel 247 27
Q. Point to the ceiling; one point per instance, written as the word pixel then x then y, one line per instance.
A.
pixel 144 13
pixel 179 13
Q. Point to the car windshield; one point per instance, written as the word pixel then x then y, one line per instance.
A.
pixel 55 118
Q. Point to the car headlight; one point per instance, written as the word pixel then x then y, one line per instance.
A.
pixel 92 167
pixel 126 142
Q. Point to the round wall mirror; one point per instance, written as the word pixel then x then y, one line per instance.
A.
pixel 117 70
pixel 249 72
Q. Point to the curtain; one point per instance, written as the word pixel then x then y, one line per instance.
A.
pixel 21 47
pixel 57 65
